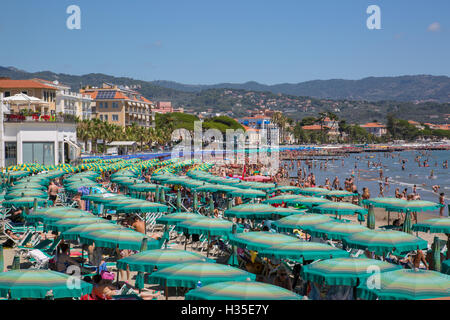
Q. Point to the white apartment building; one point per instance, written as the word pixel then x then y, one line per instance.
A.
pixel 69 102
pixel 36 141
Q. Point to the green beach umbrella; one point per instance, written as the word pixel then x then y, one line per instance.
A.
pixel 30 193
pixel 248 193
pixel 57 212
pixel 289 199
pixel 25 202
pixel 111 238
pixel 383 242
pixel 57 216
pixel 188 274
pixel 310 202
pixel 258 240
pixel 206 226
pixel 344 271
pixel 36 284
pixel 303 250
pixel 146 187
pixel 371 218
pixel 408 285
pixel 258 211
pixel 143 207
pixel 414 206
pixel 339 194
pixel 299 221
pixel 283 189
pixel 407 225
pixel 238 290
pixel 314 191
pixel 383 202
pixel 340 208
pixel 436 225
pixel 68 223
pixel 436 250
pixel 334 230
pixel 104 197
pixel 74 233
pixel 177 217
pixel 146 261
pixel 119 203
pixel 216 188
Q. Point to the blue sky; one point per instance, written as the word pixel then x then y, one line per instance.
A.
pixel 211 41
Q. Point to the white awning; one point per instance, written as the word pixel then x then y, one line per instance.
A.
pixel 122 143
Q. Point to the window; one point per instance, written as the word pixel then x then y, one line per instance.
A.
pixel 10 154
pixel 100 105
pixel 101 117
pixel 106 117
pixel 106 105
pixel 115 117
pixel 25 92
pixel 38 152
pixel 7 94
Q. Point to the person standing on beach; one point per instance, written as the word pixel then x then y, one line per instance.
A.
pixel 381 190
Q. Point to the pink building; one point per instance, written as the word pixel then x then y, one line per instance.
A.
pixel 163 107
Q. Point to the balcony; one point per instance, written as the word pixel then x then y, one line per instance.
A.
pixel 37 117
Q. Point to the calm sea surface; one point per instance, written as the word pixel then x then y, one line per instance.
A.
pixel 391 163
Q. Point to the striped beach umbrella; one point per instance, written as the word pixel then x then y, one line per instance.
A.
pixel 344 271
pixel 177 217
pixel 299 221
pixel 303 250
pixel 119 203
pixel 310 202
pixel 29 193
pixel 146 261
pixel 258 211
pixel 383 202
pixel 289 199
pixel 121 238
pixel 146 187
pixel 143 207
pixel 216 188
pixel 74 233
pixel 68 223
pixel 248 193
pixel 258 240
pixel 408 285
pixel 334 230
pixel 238 290
pixel 188 274
pixel 25 202
pixel 53 216
pixel 436 225
pixel 57 212
pixel 37 284
pixel 314 191
pixel 383 242
pixel 339 194
pixel 414 206
pixel 283 189
pixel 206 226
pixel 340 208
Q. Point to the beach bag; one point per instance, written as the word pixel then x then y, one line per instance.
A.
pixel 107 275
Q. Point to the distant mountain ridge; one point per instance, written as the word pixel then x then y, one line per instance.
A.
pixel 402 88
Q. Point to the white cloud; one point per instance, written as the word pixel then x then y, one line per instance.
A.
pixel 434 27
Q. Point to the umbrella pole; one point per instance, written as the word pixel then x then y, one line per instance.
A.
pixel 207 247
pixel 166 291
pixel 389 218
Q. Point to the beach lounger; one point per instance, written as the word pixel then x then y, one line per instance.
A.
pixel 38 259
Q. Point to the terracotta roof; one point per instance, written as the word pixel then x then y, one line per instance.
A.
pixel 250 129
pixel 12 84
pixel 373 125
pixel 313 127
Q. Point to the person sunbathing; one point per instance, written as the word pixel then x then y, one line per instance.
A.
pixel 63 259
pixel 282 279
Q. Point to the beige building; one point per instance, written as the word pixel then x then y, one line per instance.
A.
pixel 31 88
pixel 120 105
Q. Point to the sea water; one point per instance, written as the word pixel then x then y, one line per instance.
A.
pixel 356 163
